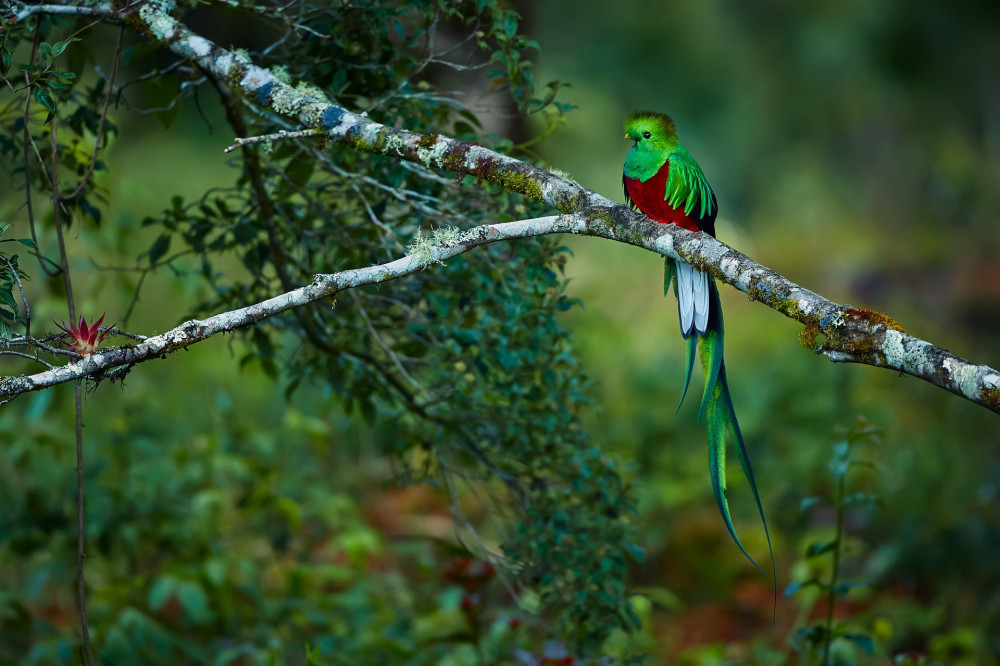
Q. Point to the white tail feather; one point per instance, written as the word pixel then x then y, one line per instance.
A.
pixel 685 296
pixel 700 301
pixel 692 298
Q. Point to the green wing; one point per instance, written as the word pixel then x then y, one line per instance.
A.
pixel 688 188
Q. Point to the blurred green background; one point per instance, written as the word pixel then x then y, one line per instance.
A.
pixel 854 147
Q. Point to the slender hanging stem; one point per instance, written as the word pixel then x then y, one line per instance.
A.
pixel 27 162
pixel 57 222
pixel 831 595
pixel 81 592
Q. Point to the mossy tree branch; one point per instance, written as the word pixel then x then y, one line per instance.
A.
pixel 842 333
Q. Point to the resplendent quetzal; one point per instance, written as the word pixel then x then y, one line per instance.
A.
pixel 663 181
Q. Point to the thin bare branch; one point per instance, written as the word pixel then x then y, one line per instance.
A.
pixel 11 352
pixel 81 591
pixel 103 10
pixel 27 167
pixel 281 135
pixel 57 209
pixel 100 126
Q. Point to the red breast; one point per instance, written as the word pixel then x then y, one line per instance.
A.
pixel 648 196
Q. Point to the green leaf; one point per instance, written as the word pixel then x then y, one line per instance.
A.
pixel 269 367
pixel 462 128
pixel 38 406
pixel 161 591
pixel 43 97
pixel 215 571
pixel 471 118
pixel 7 298
pixel 792 588
pixel 194 601
pixel 813 635
pixel 238 655
pixel 163 93
pixel 843 587
pixel 816 549
pixel 59 47
pixel 808 502
pixel 510 24
pixel 300 169
pixel 867 499
pixel 27 241
pixel 58 85
pixel 662 597
pixel 636 552
pixel 863 641
pixel 169 115
pixel 159 248
pixel 312 655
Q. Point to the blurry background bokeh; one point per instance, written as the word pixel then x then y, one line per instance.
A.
pixel 854 147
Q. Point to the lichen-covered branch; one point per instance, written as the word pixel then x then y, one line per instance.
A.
pixel 17 11
pixel 425 253
pixel 842 333
pixel 851 335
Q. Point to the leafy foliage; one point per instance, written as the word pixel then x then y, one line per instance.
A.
pixel 463 371
pixel 80 110
pixel 838 642
pixel 224 549
pixel 10 273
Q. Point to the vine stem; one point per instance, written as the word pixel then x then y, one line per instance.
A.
pixel 831 596
pixel 81 592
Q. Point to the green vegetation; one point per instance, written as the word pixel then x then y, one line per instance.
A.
pixel 464 466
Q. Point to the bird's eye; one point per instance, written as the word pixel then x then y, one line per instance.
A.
pixel 645 135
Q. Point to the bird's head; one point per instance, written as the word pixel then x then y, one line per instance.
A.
pixel 651 131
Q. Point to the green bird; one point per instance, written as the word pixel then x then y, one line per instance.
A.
pixel 662 180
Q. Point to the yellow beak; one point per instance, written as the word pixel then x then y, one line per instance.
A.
pixel 626 136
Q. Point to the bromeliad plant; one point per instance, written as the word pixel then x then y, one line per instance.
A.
pixel 85 338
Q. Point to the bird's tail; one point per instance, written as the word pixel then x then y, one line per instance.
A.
pixel 679 273
pixel 717 406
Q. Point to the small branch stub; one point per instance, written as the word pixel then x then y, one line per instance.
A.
pixel 267 138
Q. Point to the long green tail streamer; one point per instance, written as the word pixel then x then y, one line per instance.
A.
pixel 717 411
